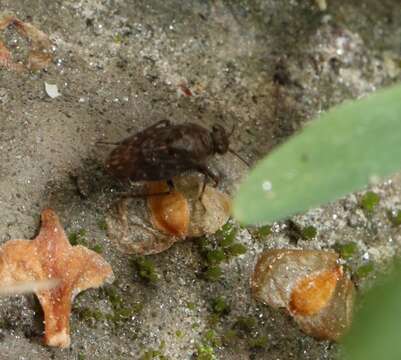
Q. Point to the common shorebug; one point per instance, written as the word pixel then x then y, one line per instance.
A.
pixel 164 150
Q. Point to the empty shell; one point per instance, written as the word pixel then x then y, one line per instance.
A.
pixel 310 285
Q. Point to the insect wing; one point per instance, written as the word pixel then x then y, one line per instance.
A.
pixel 168 148
pixel 124 160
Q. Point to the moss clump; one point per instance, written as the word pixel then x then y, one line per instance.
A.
pixel 236 249
pixel 218 249
pixel 118 39
pixel 179 334
pixel 213 273
pixel 308 232
pixel 81 356
pixel 153 354
pixel 78 237
pixel 213 320
pixel 226 235
pixel 220 306
pixel 210 337
pixel 205 352
pixel 102 224
pixel 191 306
pixel 230 337
pixel 146 270
pixel 394 217
pixel 97 248
pixel 295 232
pixel 245 323
pixel 259 342
pixel 114 298
pixel 89 316
pixel 364 270
pixel 121 312
pixel 369 201
pixel 346 251
pixel 127 313
pixel 264 231
pixel 215 256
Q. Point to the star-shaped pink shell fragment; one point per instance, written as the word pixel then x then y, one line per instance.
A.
pixel 51 256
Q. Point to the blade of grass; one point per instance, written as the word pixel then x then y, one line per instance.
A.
pixel 348 147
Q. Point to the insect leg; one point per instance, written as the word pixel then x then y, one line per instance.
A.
pixel 170 185
pixel 203 186
pixel 107 143
pixel 208 174
pixel 164 122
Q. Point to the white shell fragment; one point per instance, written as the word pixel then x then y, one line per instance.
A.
pixel 310 285
pixel 52 90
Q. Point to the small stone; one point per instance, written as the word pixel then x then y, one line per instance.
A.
pixel 311 285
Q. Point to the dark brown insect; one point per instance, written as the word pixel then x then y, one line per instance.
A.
pixel 164 150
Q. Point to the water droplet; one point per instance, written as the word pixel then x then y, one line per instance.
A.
pixel 267 185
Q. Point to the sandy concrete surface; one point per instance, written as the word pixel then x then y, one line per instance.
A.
pixel 263 66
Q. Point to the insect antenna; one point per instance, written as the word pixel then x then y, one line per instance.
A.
pixel 106 143
pixel 239 157
pixel 234 152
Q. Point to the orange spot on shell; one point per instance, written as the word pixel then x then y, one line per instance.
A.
pixel 314 292
pixel 169 213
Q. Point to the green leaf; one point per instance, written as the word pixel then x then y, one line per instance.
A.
pixel 376 330
pixel 348 147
